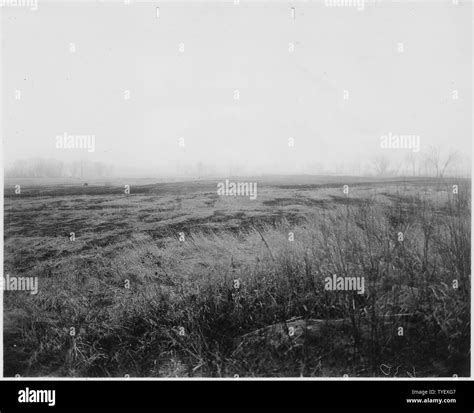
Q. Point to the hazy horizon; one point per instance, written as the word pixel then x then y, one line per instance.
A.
pixel 159 94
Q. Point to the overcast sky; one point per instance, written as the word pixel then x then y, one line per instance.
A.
pixel 190 94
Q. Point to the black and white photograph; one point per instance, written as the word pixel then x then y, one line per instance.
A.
pixel 236 189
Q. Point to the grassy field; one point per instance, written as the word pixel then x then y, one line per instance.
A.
pixel 173 280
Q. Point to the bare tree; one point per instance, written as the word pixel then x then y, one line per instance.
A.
pixel 411 160
pixel 438 162
pixel 381 165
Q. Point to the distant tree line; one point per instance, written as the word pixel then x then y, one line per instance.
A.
pixel 52 168
pixel 432 162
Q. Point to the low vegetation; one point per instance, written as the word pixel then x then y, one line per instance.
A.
pixel 174 281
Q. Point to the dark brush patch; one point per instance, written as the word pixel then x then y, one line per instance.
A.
pixel 283 202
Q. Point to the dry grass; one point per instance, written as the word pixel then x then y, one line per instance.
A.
pixel 183 315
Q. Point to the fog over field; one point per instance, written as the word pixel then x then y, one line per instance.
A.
pixel 226 89
pixel 236 188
